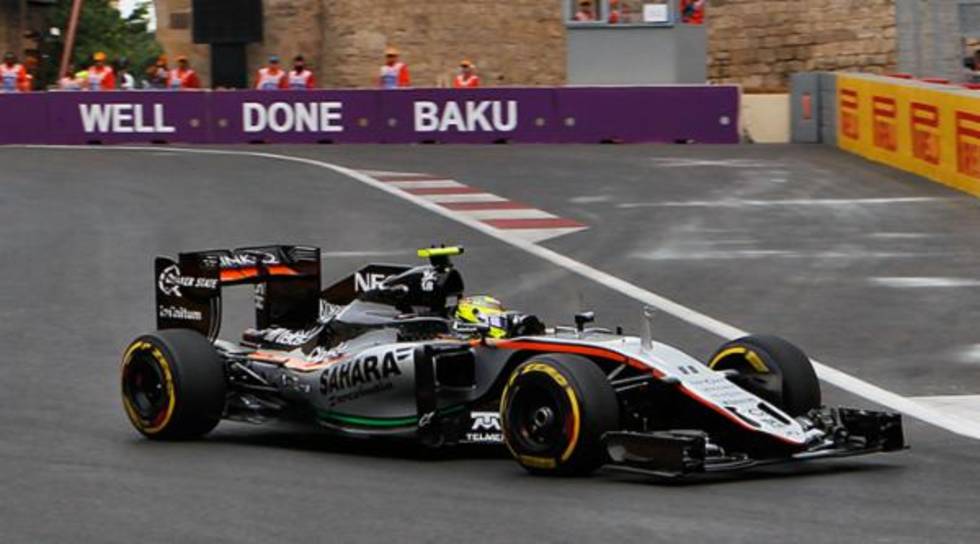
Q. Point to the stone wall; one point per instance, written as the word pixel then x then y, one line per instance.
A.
pixel 10 31
pixel 174 25
pixel 759 43
pixel 519 42
pixel 756 43
pixel 8 28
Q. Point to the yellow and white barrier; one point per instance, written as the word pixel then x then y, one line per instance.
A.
pixel 931 130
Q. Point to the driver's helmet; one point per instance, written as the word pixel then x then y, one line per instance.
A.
pixel 485 310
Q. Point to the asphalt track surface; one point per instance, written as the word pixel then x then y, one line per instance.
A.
pixel 745 234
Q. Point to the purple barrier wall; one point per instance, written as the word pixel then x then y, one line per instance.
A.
pixel 22 119
pixel 473 116
pixel 115 118
pixel 296 116
pixel 706 114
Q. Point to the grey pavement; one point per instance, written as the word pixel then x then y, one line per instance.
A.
pixel 734 232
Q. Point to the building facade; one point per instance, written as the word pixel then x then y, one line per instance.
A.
pixel 755 43
pixel 519 42
pixel 21 23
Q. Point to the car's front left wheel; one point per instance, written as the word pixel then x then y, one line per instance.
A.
pixel 555 410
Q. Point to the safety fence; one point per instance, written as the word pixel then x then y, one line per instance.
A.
pixel 929 129
pixel 704 114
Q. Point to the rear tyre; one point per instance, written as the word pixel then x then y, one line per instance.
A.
pixel 173 385
pixel 773 369
pixel 554 412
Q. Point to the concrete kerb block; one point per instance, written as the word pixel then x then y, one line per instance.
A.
pixel 828 110
pixel 805 100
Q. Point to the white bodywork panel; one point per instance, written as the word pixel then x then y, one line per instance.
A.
pixel 708 387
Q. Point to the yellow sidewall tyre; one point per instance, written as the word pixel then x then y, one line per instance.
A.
pixel 772 369
pixel 173 385
pixel 554 411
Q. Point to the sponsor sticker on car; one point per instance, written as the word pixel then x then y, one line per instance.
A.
pixel 484 428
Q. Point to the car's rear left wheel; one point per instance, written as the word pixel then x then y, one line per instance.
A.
pixel 173 385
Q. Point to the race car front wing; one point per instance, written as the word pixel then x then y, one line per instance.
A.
pixel 833 432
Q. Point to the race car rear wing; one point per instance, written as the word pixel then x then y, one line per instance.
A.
pixel 286 279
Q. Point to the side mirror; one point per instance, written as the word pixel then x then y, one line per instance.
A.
pixel 526 325
pixel 582 319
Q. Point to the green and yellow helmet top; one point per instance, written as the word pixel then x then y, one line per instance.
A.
pixel 482 309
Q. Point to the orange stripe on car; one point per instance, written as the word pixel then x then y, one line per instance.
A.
pixel 238 274
pixel 578 350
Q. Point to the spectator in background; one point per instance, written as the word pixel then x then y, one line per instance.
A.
pixel 100 76
pixel 972 65
pixel 467 78
pixel 585 12
pixel 300 77
pixel 12 74
pixel 614 13
pixel 692 11
pixel 272 77
pixel 394 73
pixel 69 82
pixel 126 80
pixel 158 74
pixel 183 77
pixel 81 77
pixel 30 68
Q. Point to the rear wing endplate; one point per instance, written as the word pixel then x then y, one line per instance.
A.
pixel 286 279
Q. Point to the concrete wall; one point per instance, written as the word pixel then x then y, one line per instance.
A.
pixel 765 118
pixel 636 55
pixel 929 41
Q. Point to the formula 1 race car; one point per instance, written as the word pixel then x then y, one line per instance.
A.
pixel 398 352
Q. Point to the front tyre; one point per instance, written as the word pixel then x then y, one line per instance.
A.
pixel 554 411
pixel 772 369
pixel 173 385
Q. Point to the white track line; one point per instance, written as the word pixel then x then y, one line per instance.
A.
pixel 964 406
pixel 425 184
pixel 743 203
pixel 540 235
pixel 826 373
pixel 920 283
pixel 389 174
pixel 518 213
pixel 471 197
